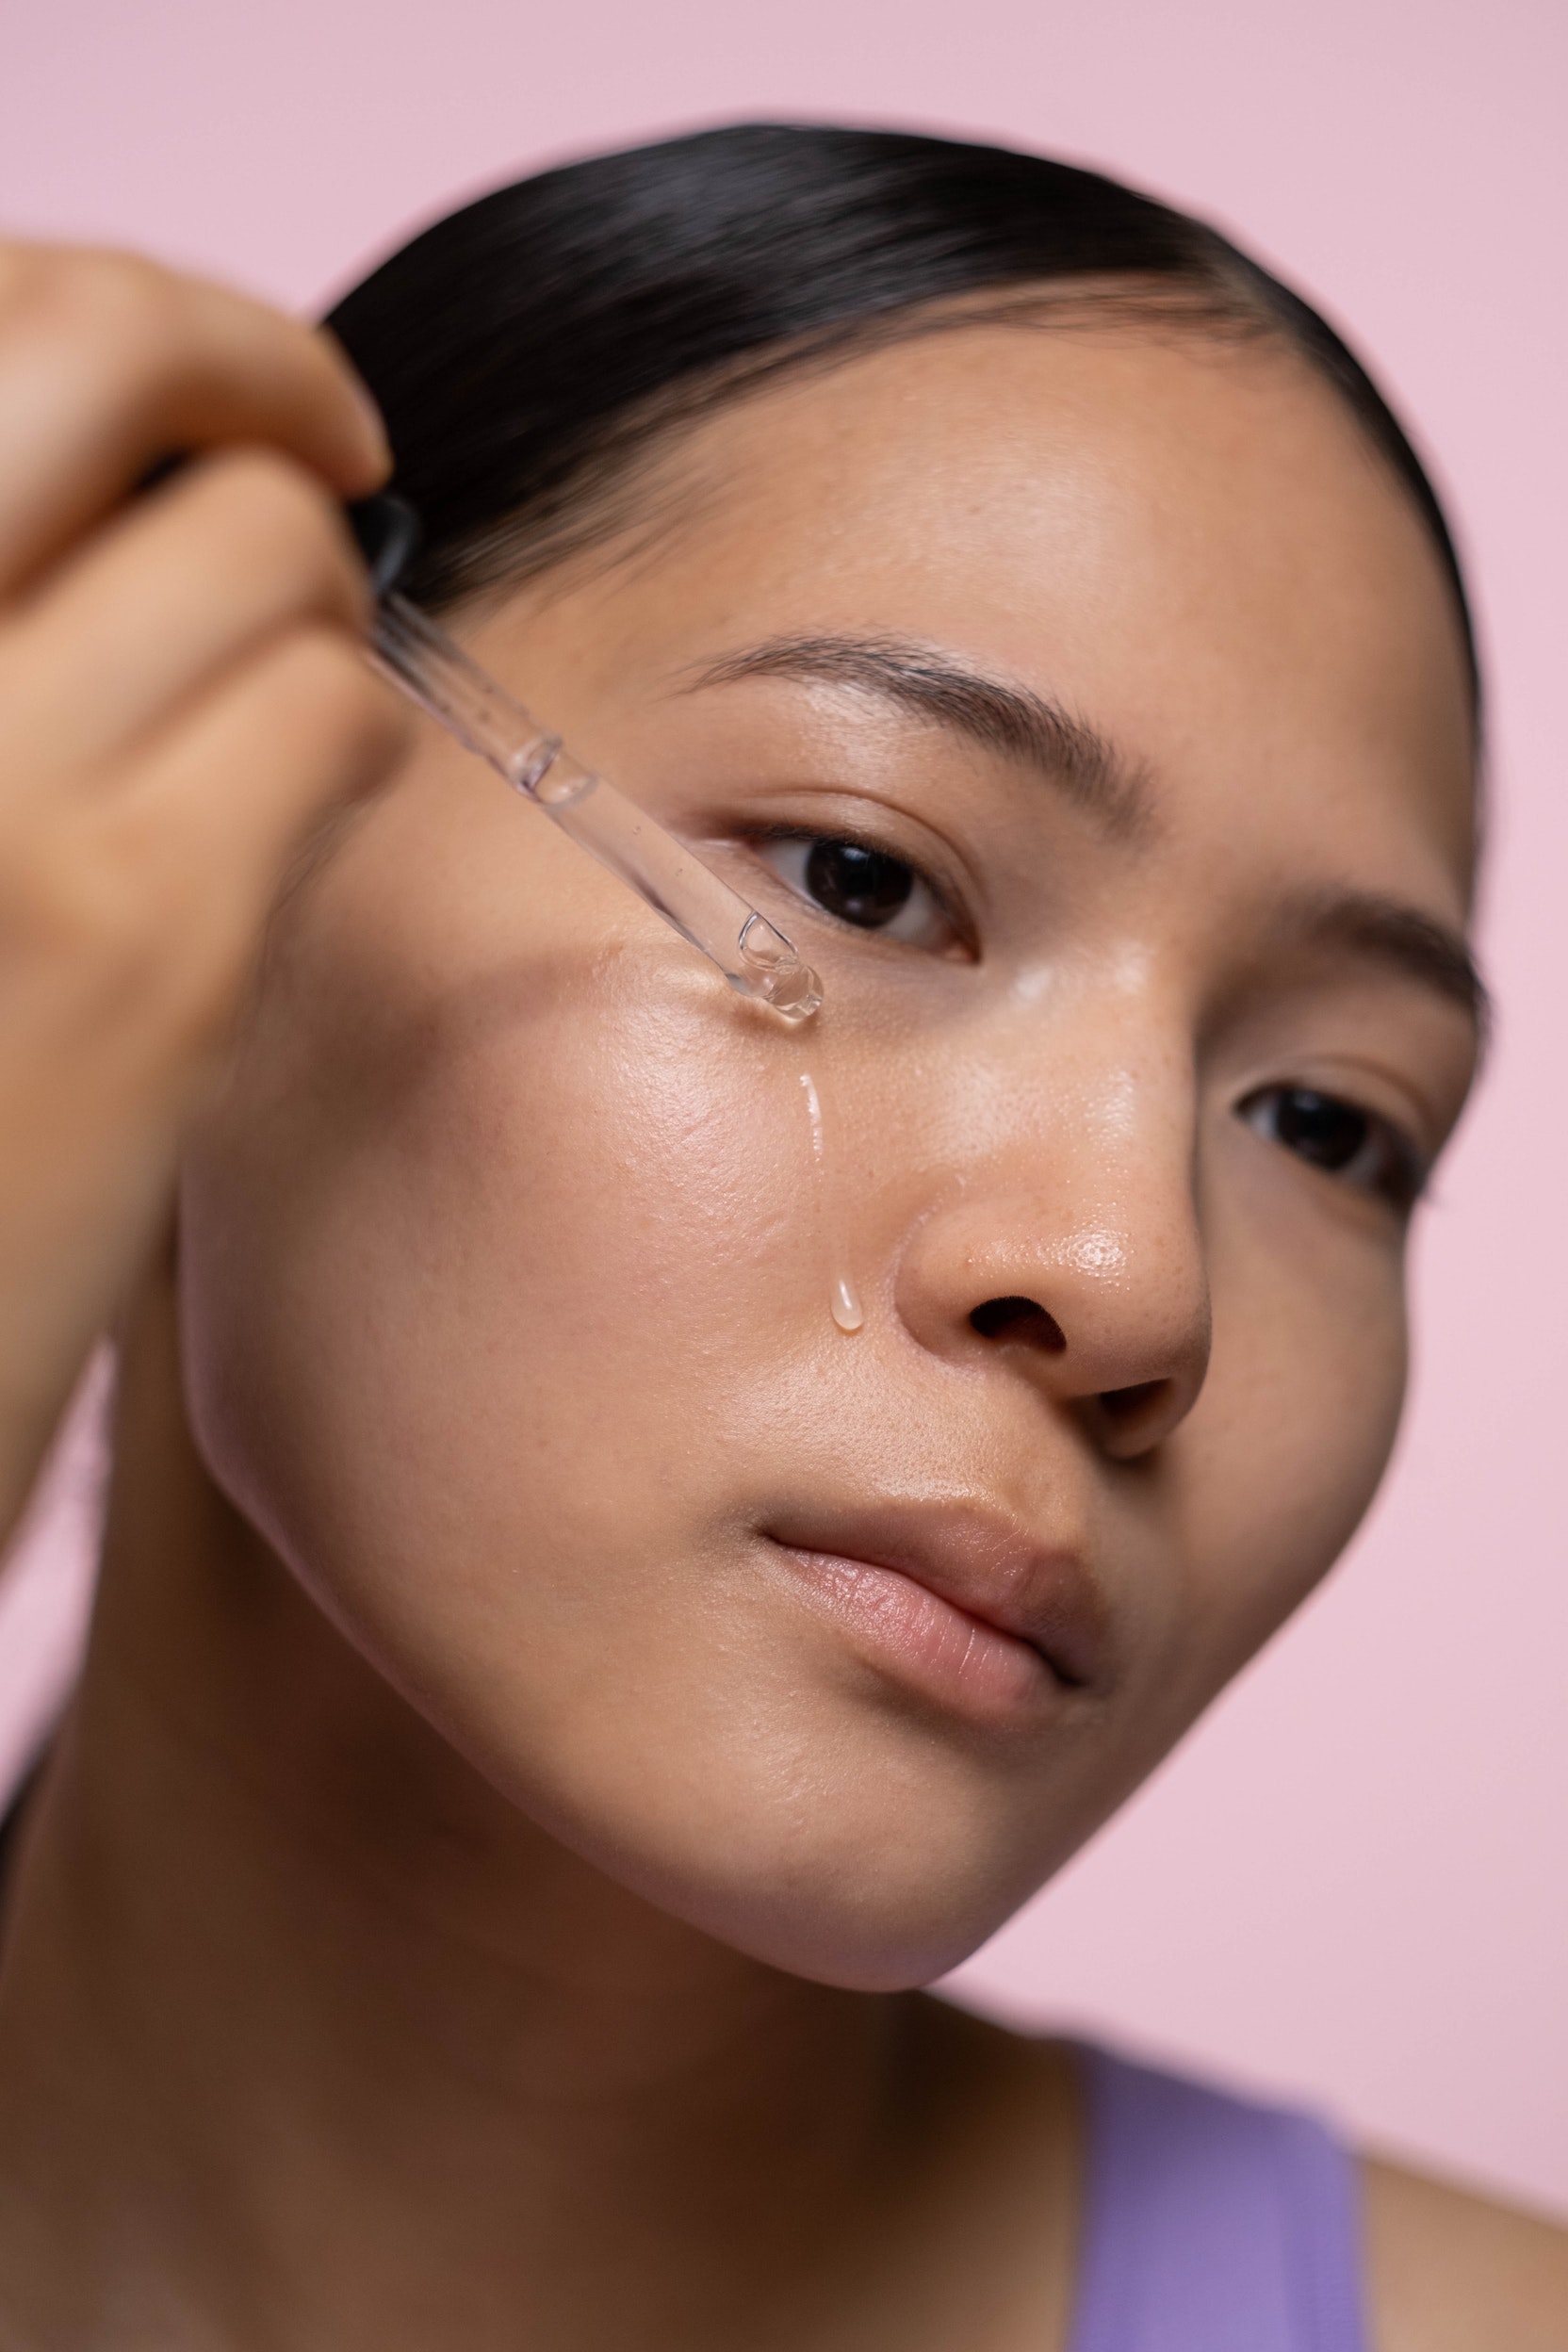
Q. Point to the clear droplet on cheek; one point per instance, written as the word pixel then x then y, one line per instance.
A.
pixel 848 1314
pixel 843 1299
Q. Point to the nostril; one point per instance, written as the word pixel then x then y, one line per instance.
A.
pixel 1125 1404
pixel 1022 1319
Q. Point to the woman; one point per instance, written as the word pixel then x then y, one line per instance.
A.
pixel 640 1536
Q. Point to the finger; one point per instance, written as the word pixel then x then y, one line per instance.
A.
pixel 127 928
pixel 221 812
pixel 149 611
pixel 108 363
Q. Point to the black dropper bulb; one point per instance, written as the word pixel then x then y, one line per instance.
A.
pixel 386 531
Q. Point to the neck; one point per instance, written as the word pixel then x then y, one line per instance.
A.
pixel 277 1952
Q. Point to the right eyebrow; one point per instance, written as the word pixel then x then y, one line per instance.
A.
pixel 928 683
pixel 1382 930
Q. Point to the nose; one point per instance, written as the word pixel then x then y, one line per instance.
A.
pixel 1088 1280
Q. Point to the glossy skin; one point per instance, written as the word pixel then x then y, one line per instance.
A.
pixel 535 1688
pixel 503 1167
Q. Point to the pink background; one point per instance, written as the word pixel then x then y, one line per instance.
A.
pixel 1351 1879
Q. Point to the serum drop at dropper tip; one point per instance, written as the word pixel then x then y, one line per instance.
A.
pixel 754 958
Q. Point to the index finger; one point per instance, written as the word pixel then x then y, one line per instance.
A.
pixel 108 363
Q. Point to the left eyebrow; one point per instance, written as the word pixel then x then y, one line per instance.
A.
pixel 934 685
pixel 1387 931
pixel 931 684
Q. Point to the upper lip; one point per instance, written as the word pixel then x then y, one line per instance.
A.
pixel 981 1561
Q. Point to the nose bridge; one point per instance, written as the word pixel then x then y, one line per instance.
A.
pixel 1083 1208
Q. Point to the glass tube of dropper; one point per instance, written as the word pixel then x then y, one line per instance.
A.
pixel 754 956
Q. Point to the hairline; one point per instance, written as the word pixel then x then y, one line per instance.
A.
pixel 594 499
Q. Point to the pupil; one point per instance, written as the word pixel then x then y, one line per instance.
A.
pixel 858 885
pixel 1329 1133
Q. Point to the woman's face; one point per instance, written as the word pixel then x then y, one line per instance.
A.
pixel 1091 711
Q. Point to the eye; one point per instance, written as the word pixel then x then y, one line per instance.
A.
pixel 864 887
pixel 1339 1138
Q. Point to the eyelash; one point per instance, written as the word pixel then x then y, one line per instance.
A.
pixel 1382 1162
pixel 918 913
pixel 1352 1146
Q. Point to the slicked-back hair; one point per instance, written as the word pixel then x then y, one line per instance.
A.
pixel 527 346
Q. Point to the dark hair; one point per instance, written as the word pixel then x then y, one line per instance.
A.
pixel 523 347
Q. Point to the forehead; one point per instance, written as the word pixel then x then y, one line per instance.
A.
pixel 1183 537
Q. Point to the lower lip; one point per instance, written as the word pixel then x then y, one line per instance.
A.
pixel 907 1631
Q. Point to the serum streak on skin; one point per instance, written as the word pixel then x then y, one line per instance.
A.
pixel 844 1300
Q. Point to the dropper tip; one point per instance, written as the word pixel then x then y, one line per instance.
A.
pixel 774 972
pixel 794 994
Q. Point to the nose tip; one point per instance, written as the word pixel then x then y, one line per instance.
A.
pixel 1112 1327
pixel 1124 1420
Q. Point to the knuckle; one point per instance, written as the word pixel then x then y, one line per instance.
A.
pixel 71 921
pixel 348 709
pixel 142 908
pixel 123 307
pixel 77 892
pixel 109 321
pixel 276 489
pixel 124 288
pixel 273 513
pixel 118 924
pixel 19 265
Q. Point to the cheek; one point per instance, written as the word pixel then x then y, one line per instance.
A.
pixel 1294 1425
pixel 426 1253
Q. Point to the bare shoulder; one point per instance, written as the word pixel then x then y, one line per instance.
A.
pixel 1453 2272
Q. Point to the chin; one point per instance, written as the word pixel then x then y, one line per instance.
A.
pixel 865 1939
pixel 844 1947
pixel 876 1897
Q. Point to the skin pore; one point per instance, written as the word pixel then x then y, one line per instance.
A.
pixel 555 1692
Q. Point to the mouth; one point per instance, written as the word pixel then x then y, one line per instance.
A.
pixel 961 1604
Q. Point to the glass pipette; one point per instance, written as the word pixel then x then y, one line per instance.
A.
pixel 753 954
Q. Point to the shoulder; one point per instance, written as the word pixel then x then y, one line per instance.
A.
pixel 1452 2272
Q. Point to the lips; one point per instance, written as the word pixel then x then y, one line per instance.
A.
pixel 962 1602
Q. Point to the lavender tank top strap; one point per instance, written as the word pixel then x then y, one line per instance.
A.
pixel 1212 2225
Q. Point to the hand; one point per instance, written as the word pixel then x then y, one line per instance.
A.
pixel 183 699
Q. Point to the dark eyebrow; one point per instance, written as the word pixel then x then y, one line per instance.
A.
pixel 943 690
pixel 1386 931
pixel 1027 727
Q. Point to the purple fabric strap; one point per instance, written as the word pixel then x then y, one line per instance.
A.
pixel 1212 2225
